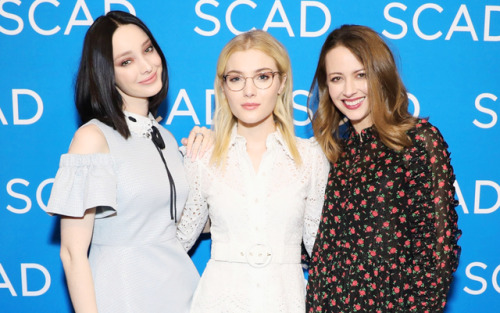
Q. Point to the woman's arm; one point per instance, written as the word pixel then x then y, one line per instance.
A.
pixel 434 221
pixel 195 214
pixel 316 194
pixel 76 232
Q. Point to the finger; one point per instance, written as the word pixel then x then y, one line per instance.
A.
pixel 184 141
pixel 200 144
pixel 196 147
pixel 208 141
pixel 191 139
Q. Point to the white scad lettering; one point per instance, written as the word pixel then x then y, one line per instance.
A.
pixel 487 111
pixel 15 106
pixel 24 279
pixel 278 7
pixel 303 19
pixel 487 22
pixel 416 16
pixel 416 104
pixel 479 184
pixel 460 196
pixel 189 112
pixel 73 21
pixel 494 279
pixel 302 108
pixel 2 118
pixel 39 192
pixel 209 94
pixel 468 28
pixel 34 25
pixel 207 17
pixel 388 17
pixel 20 196
pixel 229 14
pixel 18 19
pixel 6 282
pixel 127 4
pixel 473 277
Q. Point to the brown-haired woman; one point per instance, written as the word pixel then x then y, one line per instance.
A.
pixel 387 241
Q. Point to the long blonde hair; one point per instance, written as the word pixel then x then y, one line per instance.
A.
pixel 224 120
pixel 387 94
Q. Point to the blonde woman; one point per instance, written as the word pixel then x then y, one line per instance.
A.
pixel 262 187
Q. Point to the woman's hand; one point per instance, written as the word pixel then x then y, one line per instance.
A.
pixel 199 141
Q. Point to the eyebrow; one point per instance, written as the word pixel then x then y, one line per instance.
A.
pixel 260 70
pixel 355 72
pixel 146 42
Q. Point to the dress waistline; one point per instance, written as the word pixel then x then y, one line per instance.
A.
pixel 256 255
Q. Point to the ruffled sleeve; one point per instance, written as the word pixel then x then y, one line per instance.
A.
pixel 195 213
pixel 84 181
pixel 433 220
pixel 319 168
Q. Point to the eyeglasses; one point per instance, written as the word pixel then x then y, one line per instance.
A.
pixel 237 82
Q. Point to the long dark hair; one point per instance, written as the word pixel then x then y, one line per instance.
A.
pixel 386 91
pixel 96 95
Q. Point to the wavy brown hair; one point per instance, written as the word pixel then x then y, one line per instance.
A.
pixel 387 95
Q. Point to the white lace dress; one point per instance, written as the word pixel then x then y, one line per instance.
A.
pixel 258 222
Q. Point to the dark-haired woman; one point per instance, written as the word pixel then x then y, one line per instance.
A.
pixel 121 188
pixel 387 241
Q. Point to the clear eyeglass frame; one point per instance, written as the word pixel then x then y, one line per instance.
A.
pixel 256 79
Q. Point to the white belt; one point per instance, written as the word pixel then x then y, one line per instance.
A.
pixel 256 255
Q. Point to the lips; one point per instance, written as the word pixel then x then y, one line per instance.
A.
pixel 151 79
pixel 353 104
pixel 250 106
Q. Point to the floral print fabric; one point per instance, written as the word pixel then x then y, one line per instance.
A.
pixel 387 241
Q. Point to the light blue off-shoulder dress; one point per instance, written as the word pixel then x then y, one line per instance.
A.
pixel 137 263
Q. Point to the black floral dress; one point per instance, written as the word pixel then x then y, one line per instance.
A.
pixel 387 241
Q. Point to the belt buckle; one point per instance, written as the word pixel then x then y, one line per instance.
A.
pixel 259 255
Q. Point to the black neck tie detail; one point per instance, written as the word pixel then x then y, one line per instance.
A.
pixel 160 145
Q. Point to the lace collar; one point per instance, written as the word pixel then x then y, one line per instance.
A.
pixel 274 140
pixel 140 125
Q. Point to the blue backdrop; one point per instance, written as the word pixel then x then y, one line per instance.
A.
pixel 448 53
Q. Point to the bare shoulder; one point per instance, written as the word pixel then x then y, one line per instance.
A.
pixel 88 139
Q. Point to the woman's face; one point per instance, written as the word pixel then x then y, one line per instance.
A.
pixel 252 106
pixel 348 86
pixel 137 66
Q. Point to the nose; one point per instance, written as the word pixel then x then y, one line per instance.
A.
pixel 146 65
pixel 349 87
pixel 250 88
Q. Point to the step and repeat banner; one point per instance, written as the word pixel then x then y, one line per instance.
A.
pixel 448 54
